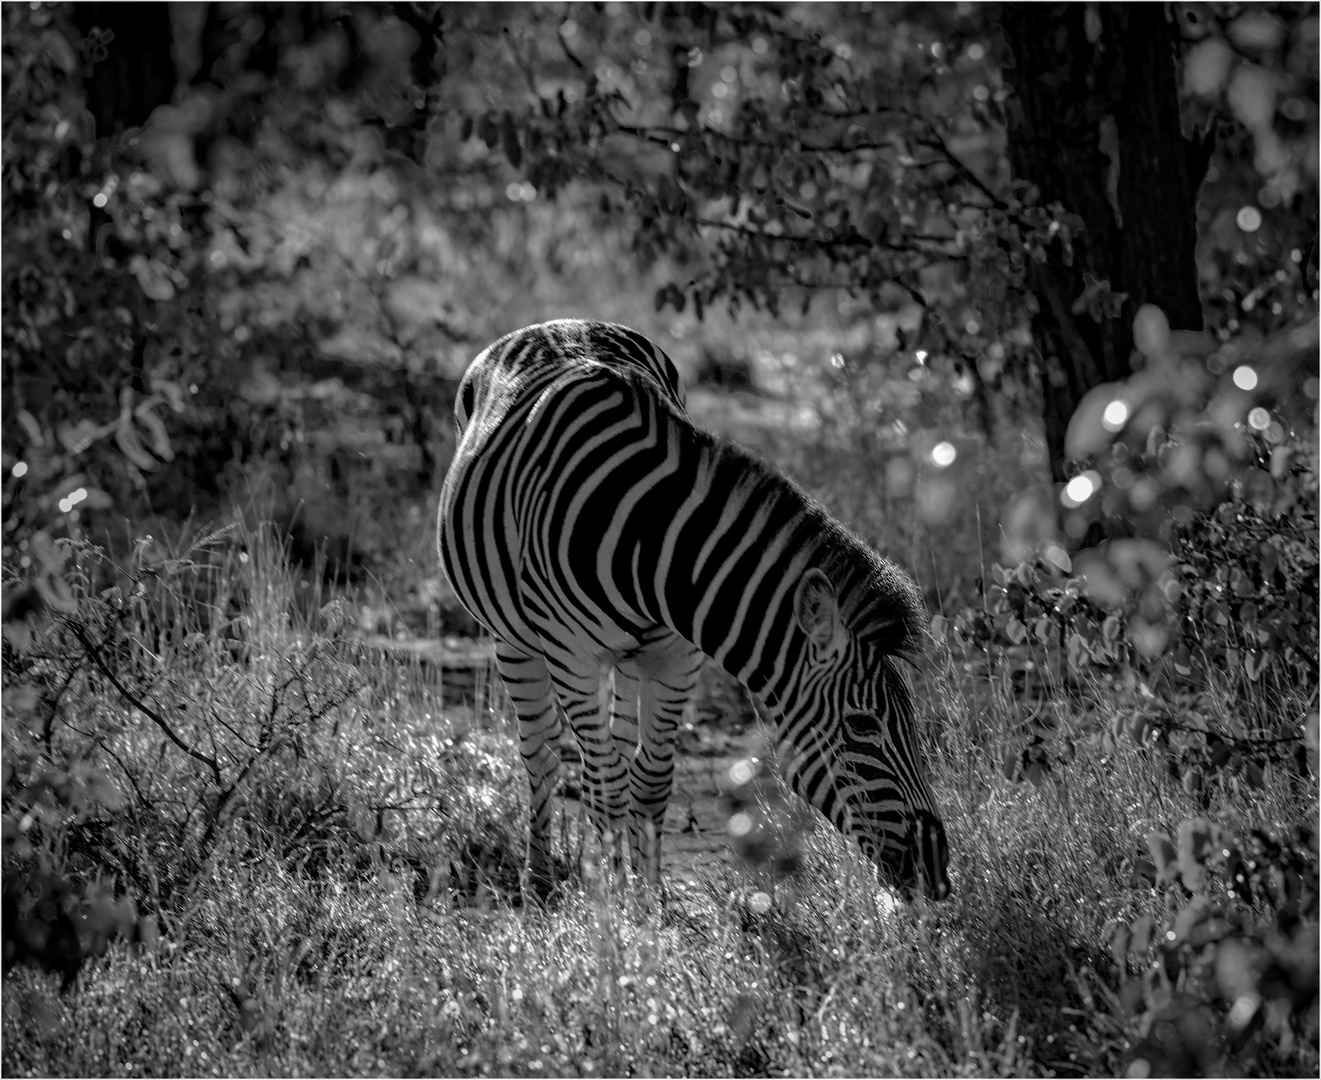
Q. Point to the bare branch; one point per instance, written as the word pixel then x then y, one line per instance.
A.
pixel 96 654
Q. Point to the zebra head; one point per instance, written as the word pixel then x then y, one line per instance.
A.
pixel 852 749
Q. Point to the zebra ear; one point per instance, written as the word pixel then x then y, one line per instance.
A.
pixel 817 611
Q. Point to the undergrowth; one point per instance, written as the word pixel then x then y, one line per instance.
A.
pixel 236 841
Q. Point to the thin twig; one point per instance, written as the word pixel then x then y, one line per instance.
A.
pixel 93 651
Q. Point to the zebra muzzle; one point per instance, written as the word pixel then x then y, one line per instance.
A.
pixel 922 864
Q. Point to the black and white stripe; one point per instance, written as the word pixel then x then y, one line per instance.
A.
pixel 595 531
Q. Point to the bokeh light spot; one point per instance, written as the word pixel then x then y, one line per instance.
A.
pixel 742 771
pixel 1081 488
pixel 1245 377
pixel 1259 418
pixel 1249 219
pixel 1115 415
pixel 20 469
pixel 943 454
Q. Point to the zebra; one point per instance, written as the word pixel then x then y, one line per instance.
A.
pixel 605 540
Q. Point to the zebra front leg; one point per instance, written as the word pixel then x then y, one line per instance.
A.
pixel 539 725
pixel 669 671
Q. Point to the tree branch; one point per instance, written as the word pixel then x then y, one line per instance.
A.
pixel 94 652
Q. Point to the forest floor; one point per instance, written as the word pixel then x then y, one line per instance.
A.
pixel 720 731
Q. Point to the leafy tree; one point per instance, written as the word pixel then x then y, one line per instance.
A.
pixel 188 244
pixel 878 152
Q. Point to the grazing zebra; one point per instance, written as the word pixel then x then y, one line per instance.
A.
pixel 596 532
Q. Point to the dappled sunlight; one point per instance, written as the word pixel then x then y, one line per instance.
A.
pixel 264 802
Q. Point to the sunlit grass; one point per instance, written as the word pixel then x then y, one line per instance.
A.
pixel 359 913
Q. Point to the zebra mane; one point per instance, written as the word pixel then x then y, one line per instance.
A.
pixel 881 603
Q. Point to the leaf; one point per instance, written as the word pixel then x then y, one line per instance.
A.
pixel 153 278
pixel 1207 68
pixel 149 933
pixel 1190 918
pixel 743 1016
pixel 55 592
pixel 160 439
pixel 19 637
pixel 487 130
pixel 1087 434
pixel 1254 663
pixel 51 555
pixel 77 438
pixel 1142 930
pixel 1151 332
pixel 1237 974
pixel 22 699
pixel 1078 654
pixel 1251 96
pixel 939 629
pixel 509 141
pixel 1163 855
pixel 1195 838
pixel 128 440
pixel 104 792
pixel 96 499
pixel 59 50
pixel 1191 874
pixel 1119 944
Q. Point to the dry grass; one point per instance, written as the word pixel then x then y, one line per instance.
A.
pixel 358 912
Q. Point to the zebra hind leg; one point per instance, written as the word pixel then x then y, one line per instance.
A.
pixel 604 771
pixel 539 725
pixel 624 709
pixel 669 670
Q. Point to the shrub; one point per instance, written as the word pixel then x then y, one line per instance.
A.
pixel 1229 979
pixel 145 724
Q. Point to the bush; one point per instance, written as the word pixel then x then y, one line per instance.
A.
pixel 147 714
pixel 1230 979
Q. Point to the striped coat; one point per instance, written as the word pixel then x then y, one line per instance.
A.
pixel 596 532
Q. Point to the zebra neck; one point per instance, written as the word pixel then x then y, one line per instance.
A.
pixel 739 538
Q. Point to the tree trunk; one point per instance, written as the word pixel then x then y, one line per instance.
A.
pixel 1094 126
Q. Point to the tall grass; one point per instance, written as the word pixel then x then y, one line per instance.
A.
pixel 355 908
